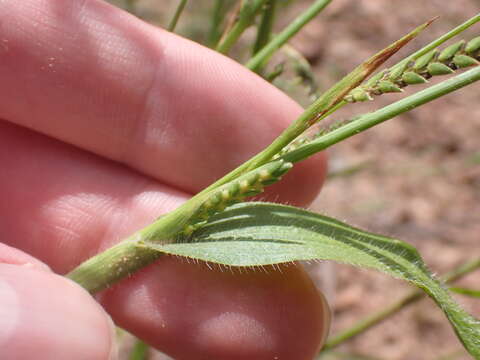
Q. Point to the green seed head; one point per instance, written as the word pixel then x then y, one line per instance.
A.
pixel 264 175
pixel 283 169
pixel 473 45
pixel 244 186
pixel 225 194
pixel 189 230
pixel 269 181
pixel 253 192
pixel 215 199
pixel 437 68
pixel 450 51
pixel 349 98
pixel 274 169
pixel 386 86
pixel 360 94
pixel 397 73
pixel 234 189
pixel 424 60
pixel 252 178
pixel 413 78
pixel 463 61
pixel 247 185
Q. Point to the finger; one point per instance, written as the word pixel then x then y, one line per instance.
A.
pixel 95 203
pixel 63 205
pixel 201 311
pixel 12 256
pixel 98 78
pixel 45 315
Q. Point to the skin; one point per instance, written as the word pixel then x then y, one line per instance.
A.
pixel 107 123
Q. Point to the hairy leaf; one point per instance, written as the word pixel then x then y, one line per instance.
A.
pixel 256 234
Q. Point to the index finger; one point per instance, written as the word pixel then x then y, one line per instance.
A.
pixel 98 78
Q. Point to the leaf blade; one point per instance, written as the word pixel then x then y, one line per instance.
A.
pixel 255 234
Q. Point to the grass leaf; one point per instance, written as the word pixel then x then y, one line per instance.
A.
pixel 256 234
pixel 466 292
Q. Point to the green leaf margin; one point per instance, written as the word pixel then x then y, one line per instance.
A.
pixel 258 233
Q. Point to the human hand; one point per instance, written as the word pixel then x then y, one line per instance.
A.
pixel 107 123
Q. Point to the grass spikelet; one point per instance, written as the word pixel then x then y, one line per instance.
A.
pixel 460 55
pixel 412 78
pixel 424 60
pixel 247 185
pixel 292 146
pixel 386 86
pixel 450 51
pixel 463 61
pixel 438 68
pixel 473 46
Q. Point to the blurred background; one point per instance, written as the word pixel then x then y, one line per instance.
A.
pixel 416 178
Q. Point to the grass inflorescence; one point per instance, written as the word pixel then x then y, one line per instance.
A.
pixel 250 184
pixel 460 55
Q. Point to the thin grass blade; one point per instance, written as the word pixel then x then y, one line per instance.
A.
pixel 256 234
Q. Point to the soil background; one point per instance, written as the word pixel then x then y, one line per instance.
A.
pixel 418 177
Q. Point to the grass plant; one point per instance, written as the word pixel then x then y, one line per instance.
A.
pixel 206 227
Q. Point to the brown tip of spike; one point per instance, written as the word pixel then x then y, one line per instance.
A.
pixel 385 54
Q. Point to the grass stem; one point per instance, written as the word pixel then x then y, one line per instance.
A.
pixel 466 292
pixel 265 27
pixel 176 15
pixel 246 16
pixel 217 16
pixel 106 268
pixel 412 297
pixel 139 351
pixel 262 56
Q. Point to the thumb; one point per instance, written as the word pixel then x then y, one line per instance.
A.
pixel 43 315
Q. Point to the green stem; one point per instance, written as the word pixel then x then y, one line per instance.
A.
pixel 246 16
pixel 366 121
pixel 176 16
pixel 466 292
pixel 256 62
pixel 217 17
pixel 106 268
pixel 393 308
pixel 348 170
pixel 302 69
pixel 130 6
pixel 265 28
pixel 139 351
